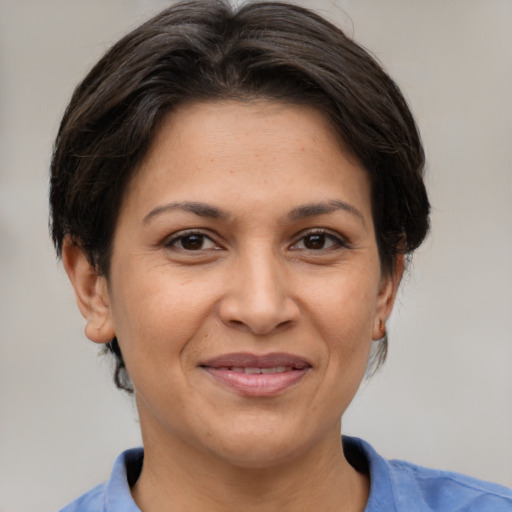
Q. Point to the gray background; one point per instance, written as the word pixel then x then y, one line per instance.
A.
pixel 444 398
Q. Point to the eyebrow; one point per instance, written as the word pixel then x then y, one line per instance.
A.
pixel 313 209
pixel 200 209
pixel 301 212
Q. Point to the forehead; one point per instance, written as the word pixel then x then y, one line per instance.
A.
pixel 221 151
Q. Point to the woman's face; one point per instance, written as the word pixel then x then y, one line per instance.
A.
pixel 245 286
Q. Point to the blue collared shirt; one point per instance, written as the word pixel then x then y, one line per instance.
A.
pixel 395 486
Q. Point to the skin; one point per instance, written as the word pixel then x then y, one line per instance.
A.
pixel 266 275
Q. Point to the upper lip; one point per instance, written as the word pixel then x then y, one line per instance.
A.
pixel 248 360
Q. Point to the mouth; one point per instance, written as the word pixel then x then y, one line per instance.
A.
pixel 256 375
pixel 257 370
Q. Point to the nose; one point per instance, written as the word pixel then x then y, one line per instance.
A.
pixel 258 297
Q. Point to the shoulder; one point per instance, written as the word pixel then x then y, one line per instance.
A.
pixel 92 501
pixel 399 486
pixel 113 495
pixel 447 491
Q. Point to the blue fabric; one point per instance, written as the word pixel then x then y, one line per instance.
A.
pixel 396 486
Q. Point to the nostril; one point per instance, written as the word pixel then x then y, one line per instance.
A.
pixel 260 305
pixel 261 328
pixel 285 324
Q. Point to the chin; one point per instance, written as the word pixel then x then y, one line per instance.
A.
pixel 256 447
pixel 258 454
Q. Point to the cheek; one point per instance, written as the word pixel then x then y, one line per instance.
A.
pixel 156 312
pixel 344 314
pixel 345 308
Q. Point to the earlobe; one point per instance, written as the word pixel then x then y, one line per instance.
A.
pixel 386 298
pixel 91 292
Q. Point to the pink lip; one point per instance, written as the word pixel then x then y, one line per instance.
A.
pixel 229 370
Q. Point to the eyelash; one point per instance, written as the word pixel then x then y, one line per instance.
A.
pixel 337 241
pixel 188 234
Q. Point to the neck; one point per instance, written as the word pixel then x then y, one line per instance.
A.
pixel 176 477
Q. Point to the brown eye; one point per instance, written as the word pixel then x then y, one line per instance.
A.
pixel 318 241
pixel 314 241
pixel 192 242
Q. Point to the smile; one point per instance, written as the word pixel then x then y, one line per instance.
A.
pixel 252 375
pixel 254 371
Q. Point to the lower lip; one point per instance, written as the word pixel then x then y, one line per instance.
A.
pixel 260 384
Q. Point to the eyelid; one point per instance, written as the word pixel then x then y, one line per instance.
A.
pixel 340 240
pixel 170 240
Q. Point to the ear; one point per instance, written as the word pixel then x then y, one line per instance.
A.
pixel 386 298
pixel 91 292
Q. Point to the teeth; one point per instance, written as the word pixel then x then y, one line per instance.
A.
pixel 275 369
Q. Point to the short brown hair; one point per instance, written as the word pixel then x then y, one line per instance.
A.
pixel 206 50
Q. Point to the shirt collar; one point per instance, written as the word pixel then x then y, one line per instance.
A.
pixel 126 469
pixel 360 454
pixel 366 460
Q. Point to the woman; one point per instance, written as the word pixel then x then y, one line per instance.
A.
pixel 234 195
